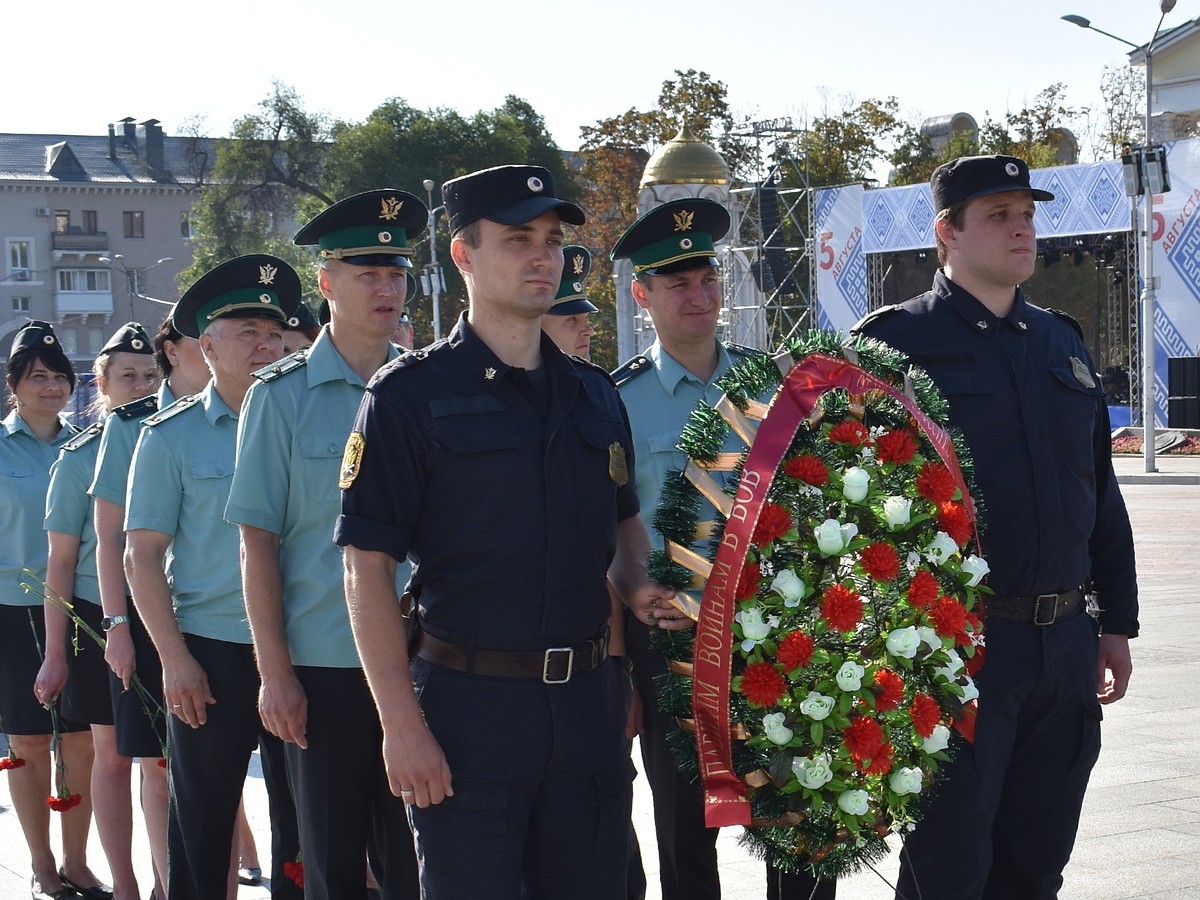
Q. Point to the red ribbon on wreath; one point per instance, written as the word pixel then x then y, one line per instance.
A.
pixel 725 797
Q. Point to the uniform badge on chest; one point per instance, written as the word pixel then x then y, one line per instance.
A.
pixel 1081 373
pixel 618 471
pixel 351 460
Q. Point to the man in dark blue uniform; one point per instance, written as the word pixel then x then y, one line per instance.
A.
pixel 504 470
pixel 1021 389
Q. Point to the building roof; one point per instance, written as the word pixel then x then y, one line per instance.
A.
pixel 685 159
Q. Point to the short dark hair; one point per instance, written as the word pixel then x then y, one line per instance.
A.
pixel 166 332
pixel 22 361
pixel 955 213
pixel 468 233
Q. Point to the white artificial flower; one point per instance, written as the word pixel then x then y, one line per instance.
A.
pixel 812 773
pixel 929 637
pixel 970 691
pixel 849 676
pixel 976 567
pixel 754 628
pixel 903 642
pixel 905 780
pixel 790 586
pixel 855 483
pixel 854 803
pixel 817 706
pixel 775 730
pixel 941 549
pixel 952 668
pixel 833 537
pixel 897 512
pixel 939 740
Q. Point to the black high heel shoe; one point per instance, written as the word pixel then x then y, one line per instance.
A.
pixel 96 892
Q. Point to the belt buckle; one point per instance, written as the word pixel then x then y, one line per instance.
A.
pixel 547 662
pixel 1037 609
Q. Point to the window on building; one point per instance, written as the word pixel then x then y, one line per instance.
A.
pixel 91 222
pixel 62 221
pixel 135 225
pixel 20 304
pixel 84 280
pixel 185 225
pixel 66 337
pixel 19 254
pixel 95 339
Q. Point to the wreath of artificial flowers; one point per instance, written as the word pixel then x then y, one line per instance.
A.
pixel 852 625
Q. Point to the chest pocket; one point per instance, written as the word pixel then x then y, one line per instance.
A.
pixel 970 394
pixel 320 457
pixel 1077 398
pixel 17 484
pixel 204 469
pixel 467 425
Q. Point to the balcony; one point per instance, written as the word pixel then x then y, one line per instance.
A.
pixel 78 243
pixel 82 303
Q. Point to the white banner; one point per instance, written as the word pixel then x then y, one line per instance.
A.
pixel 841 263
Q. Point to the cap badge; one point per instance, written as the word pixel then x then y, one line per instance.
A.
pixel 489 373
pixel 385 237
pixel 577 265
pixel 683 220
pixel 535 184
pixel 48 339
pixel 264 298
pixel 389 208
pixel 1012 169
pixel 578 286
pixel 266 274
pixel 293 322
pixel 685 244
pixel 137 344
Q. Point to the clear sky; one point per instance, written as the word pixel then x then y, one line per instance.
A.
pixel 73 67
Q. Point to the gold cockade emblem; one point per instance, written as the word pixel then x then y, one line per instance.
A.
pixel 389 208
pixel 683 220
pixel 266 274
pixel 577 265
pixel 489 373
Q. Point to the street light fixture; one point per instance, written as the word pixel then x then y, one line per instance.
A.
pixel 131 273
pixel 1149 282
pixel 431 278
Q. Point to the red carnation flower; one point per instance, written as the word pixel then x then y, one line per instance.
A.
pixel 842 608
pixel 806 468
pixel 923 589
pixel 954 520
pixel 295 871
pixel 748 583
pixel 935 483
pixel 891 690
pixel 762 684
pixel 795 651
pixel 881 561
pixel 11 762
pixel 896 447
pixel 62 804
pixel 773 522
pixel 850 432
pixel 863 738
pixel 881 762
pixel 925 714
pixel 162 762
pixel 949 617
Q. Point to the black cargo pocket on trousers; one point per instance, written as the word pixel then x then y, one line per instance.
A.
pixel 614 795
pixel 1089 737
pixel 476 817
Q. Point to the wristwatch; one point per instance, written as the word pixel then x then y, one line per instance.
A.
pixel 108 623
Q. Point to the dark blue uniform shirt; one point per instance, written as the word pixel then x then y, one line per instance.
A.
pixel 498 489
pixel 1023 392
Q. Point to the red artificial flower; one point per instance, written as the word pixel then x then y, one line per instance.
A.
pixel 11 762
pixel 295 871
pixel 842 608
pixel 62 804
pixel 850 432
pixel 881 762
pixel 896 447
pixel 748 583
pixel 162 762
pixel 762 684
pixel 955 521
pixel 774 521
pixel 949 617
pixel 935 483
pixel 923 589
pixel 891 690
pixel 863 738
pixel 806 468
pixel 925 714
pixel 881 561
pixel 795 651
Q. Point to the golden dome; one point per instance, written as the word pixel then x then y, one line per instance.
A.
pixel 685 159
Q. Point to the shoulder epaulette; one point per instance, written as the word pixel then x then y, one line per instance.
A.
pixel 740 350
pixel 403 361
pixel 168 412
pixel 137 409
pixel 590 366
pixel 873 315
pixel 84 437
pixel 631 369
pixel 1067 317
pixel 289 363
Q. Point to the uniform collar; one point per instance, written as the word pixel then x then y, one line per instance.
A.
pixel 479 360
pixel 13 423
pixel 214 407
pixel 326 364
pixel 165 395
pixel 978 316
pixel 671 372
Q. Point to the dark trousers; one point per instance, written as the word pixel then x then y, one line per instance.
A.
pixel 1003 823
pixel 540 772
pixel 206 770
pixel 347 810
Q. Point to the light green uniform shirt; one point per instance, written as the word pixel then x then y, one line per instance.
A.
pixel 179 484
pixel 111 481
pixel 25 462
pixel 69 508
pixel 291 438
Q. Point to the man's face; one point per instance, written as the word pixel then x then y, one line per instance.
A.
pixel 238 348
pixel 997 243
pixel 366 299
pixel 516 268
pixel 572 334
pixel 684 305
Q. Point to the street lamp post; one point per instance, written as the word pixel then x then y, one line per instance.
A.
pixel 435 276
pixel 130 273
pixel 1149 282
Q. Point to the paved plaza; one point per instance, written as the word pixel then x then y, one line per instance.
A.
pixel 1140 833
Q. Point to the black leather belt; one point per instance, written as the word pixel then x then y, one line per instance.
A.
pixel 1044 609
pixel 554 665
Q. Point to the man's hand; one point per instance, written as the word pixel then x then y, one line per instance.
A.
pixel 283 708
pixel 1113 667
pixel 185 689
pixel 119 654
pixel 651 605
pixel 417 769
pixel 633 722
